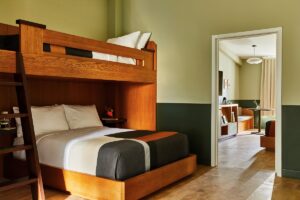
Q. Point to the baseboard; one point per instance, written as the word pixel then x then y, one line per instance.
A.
pixel 291 173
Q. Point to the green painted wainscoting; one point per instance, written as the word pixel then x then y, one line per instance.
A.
pixel 194 120
pixel 249 103
pixel 290 141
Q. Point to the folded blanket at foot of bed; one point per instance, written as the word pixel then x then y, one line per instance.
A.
pixel 122 155
pixel 126 158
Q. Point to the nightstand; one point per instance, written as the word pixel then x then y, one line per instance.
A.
pixel 114 122
pixel 6 140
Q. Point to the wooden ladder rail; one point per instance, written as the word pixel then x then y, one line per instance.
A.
pixel 28 131
pixel 30 42
pixel 35 178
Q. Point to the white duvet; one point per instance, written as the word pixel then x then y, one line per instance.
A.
pixel 75 150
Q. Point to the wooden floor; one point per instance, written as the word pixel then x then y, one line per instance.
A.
pixel 245 172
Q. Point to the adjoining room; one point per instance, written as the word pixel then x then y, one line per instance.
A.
pixel 247 93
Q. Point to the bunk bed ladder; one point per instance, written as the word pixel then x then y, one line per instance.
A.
pixel 34 179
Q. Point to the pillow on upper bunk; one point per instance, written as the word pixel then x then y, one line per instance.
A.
pixel 129 40
pixel 49 119
pixel 143 40
pixel 82 116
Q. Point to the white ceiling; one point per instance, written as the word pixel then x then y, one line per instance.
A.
pixel 265 46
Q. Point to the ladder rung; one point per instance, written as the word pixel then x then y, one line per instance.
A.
pixel 6 150
pixel 10 83
pixel 16 115
pixel 16 183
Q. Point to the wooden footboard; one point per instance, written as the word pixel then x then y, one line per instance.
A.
pixel 92 187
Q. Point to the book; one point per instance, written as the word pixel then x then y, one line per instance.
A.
pixel 110 119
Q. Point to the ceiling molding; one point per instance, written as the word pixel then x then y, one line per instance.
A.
pixel 231 55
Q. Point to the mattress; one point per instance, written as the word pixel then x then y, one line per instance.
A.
pixel 11 43
pixel 112 153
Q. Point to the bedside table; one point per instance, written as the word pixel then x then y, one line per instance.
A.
pixel 6 140
pixel 114 122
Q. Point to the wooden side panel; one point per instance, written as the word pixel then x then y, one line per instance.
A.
pixel 92 187
pixel 152 46
pixel 58 49
pixel 45 92
pixel 63 66
pixel 6 29
pixel 144 184
pixel 31 39
pixel 138 105
pixel 82 185
pixel 7 94
pixel 7 61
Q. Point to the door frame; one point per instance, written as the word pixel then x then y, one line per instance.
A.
pixel 215 122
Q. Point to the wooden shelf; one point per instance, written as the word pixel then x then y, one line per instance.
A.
pixel 230 111
pixel 15 115
pixel 6 150
pixel 7 83
pixel 7 185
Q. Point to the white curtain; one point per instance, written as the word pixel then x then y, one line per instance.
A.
pixel 267 86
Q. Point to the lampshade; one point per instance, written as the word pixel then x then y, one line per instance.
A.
pixel 254 60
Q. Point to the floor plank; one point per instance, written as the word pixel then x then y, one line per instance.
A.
pixel 245 172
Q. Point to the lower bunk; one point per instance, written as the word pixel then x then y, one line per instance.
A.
pixel 109 163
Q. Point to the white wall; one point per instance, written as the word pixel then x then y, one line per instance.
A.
pixel 231 71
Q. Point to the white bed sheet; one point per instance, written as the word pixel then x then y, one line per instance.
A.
pixel 113 58
pixel 58 149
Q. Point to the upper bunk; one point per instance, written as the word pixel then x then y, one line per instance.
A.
pixel 50 53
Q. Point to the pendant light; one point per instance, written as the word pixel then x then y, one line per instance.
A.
pixel 254 60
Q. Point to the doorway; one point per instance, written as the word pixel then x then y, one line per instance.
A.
pixel 215 120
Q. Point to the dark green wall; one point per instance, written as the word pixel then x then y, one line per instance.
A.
pixel 247 103
pixel 194 120
pixel 290 141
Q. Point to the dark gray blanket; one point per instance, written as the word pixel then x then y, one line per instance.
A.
pixel 123 159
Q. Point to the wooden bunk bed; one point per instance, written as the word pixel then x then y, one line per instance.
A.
pixel 55 77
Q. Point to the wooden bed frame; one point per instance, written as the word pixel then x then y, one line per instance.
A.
pixel 130 89
pixel 93 187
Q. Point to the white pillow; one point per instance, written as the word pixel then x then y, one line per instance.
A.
pixel 129 40
pixel 82 116
pixel 49 119
pixel 18 122
pixel 143 40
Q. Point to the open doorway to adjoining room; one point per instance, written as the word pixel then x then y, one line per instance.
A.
pixel 246 98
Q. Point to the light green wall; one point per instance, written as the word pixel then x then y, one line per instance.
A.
pixel 86 18
pixel 231 72
pixel 250 81
pixel 183 31
pixel 114 18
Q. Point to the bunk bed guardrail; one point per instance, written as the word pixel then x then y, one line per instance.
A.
pixel 56 63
